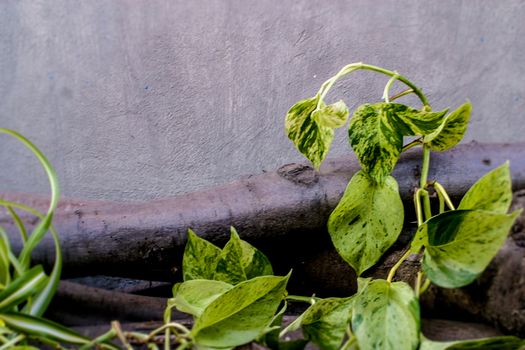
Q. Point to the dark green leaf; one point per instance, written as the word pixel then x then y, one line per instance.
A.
pixel 311 139
pixel 367 221
pixel 496 343
pixel 452 130
pixel 332 116
pixel 493 192
pixel 22 288
pixel 241 314
pixel 375 141
pixel 240 261
pixel 194 296
pixel 386 316
pixel 40 327
pixel 200 258
pixel 460 244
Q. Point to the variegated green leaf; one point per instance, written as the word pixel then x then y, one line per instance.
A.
pixel 410 121
pixel 192 297
pixel 325 322
pixel 240 261
pixel 495 343
pixel 22 288
pixel 312 139
pixel 460 244
pixel 386 316
pixel 40 327
pixel 367 220
pixel 332 116
pixel 200 258
pixel 452 130
pixel 493 192
pixel 375 141
pixel 241 314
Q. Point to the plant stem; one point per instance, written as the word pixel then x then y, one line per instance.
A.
pixel 100 339
pixel 441 191
pixel 388 86
pixel 327 85
pixel 441 202
pixel 424 287
pixel 426 204
pixel 418 282
pixel 401 94
pixel 417 203
pixel 394 268
pixel 424 168
pixel 412 144
pixel 310 300
pixel 349 343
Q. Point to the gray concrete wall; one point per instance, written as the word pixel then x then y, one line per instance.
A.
pixel 135 100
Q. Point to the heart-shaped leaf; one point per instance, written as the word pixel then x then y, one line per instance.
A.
pixel 386 316
pixel 332 116
pixel 312 139
pixel 194 296
pixel 367 221
pixel 493 192
pixel 240 261
pixel 460 244
pixel 375 141
pixel 325 322
pixel 410 121
pixel 200 258
pixel 241 314
pixel 452 130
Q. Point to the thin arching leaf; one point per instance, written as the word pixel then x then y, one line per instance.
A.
pixel 493 192
pixel 367 221
pixel 386 316
pixel 5 274
pixel 495 343
pixel 22 288
pixel 312 139
pixel 40 327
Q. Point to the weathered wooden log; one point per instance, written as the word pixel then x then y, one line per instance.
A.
pixel 283 212
pixel 79 305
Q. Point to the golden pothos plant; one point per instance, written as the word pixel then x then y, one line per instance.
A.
pixel 455 244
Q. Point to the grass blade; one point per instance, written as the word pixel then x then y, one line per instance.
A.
pixel 22 288
pixel 40 327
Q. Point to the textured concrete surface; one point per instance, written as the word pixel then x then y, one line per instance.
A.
pixel 146 99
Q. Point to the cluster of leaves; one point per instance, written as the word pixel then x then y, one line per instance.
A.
pixel 458 244
pixel 25 290
pixel 231 293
